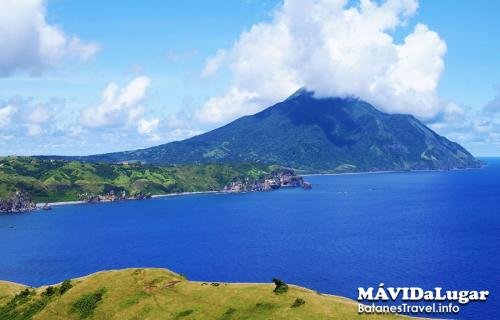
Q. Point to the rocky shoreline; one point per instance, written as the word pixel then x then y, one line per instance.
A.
pixel 17 202
pixel 281 178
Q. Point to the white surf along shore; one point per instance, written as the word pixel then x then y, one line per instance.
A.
pixel 63 203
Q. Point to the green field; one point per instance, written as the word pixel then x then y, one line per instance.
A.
pixel 161 294
pixel 59 180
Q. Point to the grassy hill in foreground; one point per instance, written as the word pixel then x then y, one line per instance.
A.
pixel 60 180
pixel 161 294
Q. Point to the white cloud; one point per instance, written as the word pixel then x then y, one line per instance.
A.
pixel 454 113
pixel 29 44
pixel 230 106
pixel 335 50
pixel 118 106
pixel 476 129
pixel 34 130
pixel 180 126
pixel 147 126
pixel 39 115
pixel 213 64
pixel 25 116
pixel 6 114
pixel 82 50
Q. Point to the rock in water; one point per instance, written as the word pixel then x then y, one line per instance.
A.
pixel 306 185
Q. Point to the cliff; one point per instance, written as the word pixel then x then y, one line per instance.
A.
pixel 279 178
pixel 17 202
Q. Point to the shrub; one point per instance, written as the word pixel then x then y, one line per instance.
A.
pixel 49 291
pixel 298 302
pixel 65 286
pixel 33 308
pixel 281 286
pixel 24 294
pixel 22 307
pixel 184 313
pixel 87 303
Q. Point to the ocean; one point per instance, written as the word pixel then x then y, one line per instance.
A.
pixel 412 229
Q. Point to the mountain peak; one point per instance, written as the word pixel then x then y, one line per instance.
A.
pixel 330 134
pixel 302 92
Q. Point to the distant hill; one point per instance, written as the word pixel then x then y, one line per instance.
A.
pixel 315 135
pixel 60 180
pixel 161 294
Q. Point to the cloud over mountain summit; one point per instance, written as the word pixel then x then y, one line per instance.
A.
pixel 333 49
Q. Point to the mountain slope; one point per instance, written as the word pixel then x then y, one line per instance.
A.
pixel 318 135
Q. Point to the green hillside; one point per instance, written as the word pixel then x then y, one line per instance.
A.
pixel 60 180
pixel 160 294
pixel 316 135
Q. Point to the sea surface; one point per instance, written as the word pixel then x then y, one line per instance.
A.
pixel 421 229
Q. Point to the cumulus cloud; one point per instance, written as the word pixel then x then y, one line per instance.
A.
pixel 6 114
pixel 30 44
pixel 333 49
pixel 213 64
pixel 25 116
pixel 148 128
pixel 119 105
pixel 476 128
pixel 82 50
pixel 233 104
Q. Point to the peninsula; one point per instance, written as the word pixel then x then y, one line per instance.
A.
pixel 25 181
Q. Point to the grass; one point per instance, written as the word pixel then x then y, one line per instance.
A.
pixel 8 290
pixel 160 294
pixel 87 303
pixel 60 180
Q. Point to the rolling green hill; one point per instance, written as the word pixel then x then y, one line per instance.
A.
pixel 160 294
pixel 60 180
pixel 316 135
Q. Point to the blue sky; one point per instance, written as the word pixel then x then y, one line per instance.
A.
pixel 171 70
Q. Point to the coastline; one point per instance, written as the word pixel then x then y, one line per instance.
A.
pixel 40 205
pixel 184 193
pixel 388 171
pixel 187 193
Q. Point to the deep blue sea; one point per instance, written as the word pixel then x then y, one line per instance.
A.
pixel 423 229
